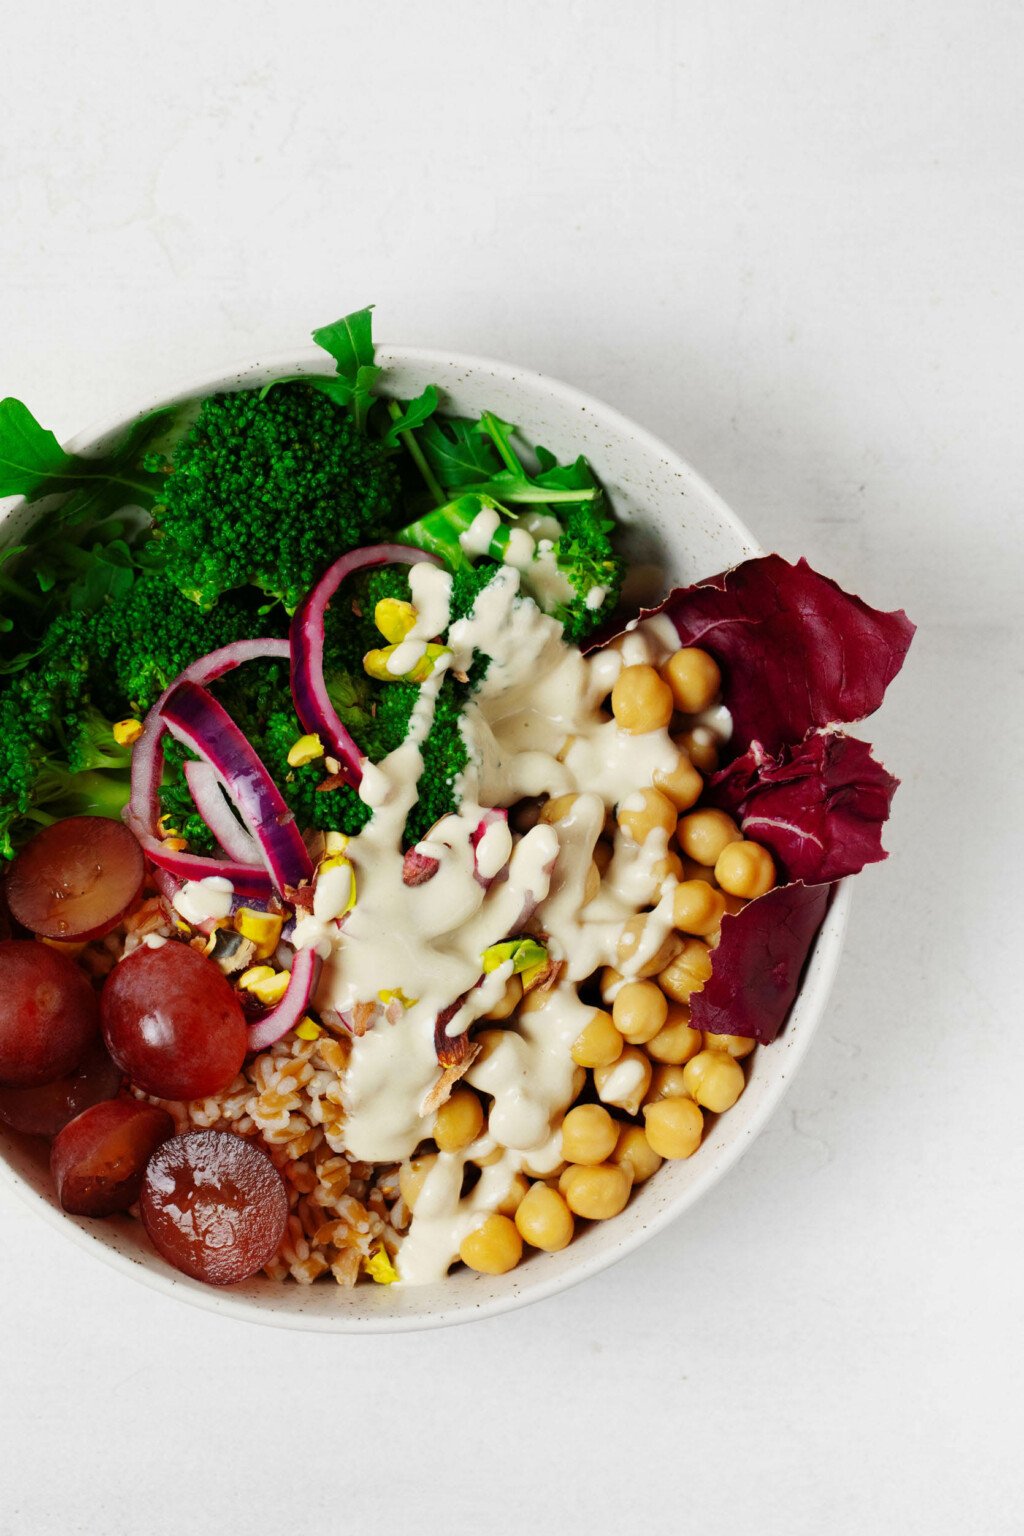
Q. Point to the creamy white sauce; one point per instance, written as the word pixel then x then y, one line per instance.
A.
pixel 477 538
pixel 536 726
pixel 200 901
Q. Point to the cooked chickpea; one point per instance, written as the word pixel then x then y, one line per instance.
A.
pixel 697 907
pixel 412 1176
pixel 701 747
pixel 459 1121
pixel 694 871
pixel 639 1011
pixel 494 1248
pixel 646 811
pixel 509 1000
pixel 555 1171
pixel 681 784
pixel 714 1079
pixel 611 981
pixel 703 835
pixel 673 1127
pixel 634 1152
pixel 602 855
pixel 634 937
pixel 489 1040
pixel 515 1196
pixel 745 869
pixel 687 972
pixel 694 679
pixel 544 1220
pixel 589 1134
pixel 599 1043
pixel 592 884
pixel 557 809
pixel 666 1083
pixel 626 1081
pixel 597 1192
pixel 579 1081
pixel 641 700
pixel 736 1046
pixel 678 1040
pixel 488 1159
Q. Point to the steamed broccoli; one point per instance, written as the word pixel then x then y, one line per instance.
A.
pixel 266 489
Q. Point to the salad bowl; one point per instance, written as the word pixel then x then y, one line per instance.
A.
pixel 676 529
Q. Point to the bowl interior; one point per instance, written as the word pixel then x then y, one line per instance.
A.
pixel 678 529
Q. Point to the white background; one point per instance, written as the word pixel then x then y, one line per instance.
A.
pixel 787 237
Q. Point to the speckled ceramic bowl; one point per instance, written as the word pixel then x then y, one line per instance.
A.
pixel 675 523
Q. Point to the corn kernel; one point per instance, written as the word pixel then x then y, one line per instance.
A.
pixel 266 984
pixel 308 1030
pixel 127 732
pixel 394 618
pixel 263 928
pixel 306 750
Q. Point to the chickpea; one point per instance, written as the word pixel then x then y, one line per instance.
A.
pixel 703 835
pixel 412 1176
pixel 678 1041
pixel 694 871
pixel 494 1248
pixel 736 1046
pixel 611 981
pixel 634 1152
pixel 625 1082
pixel 634 938
pixel 694 679
pixel 599 1043
pixel 681 784
pixel 639 1011
pixel 667 1082
pixel 515 1196
pixel 602 855
pixel 674 1127
pixel 589 1134
pixel 598 1192
pixel 745 869
pixel 544 1220
pixel 701 746
pixel 646 811
pixel 592 884
pixel 579 1081
pixel 488 1159
pixel 714 1079
pixel 554 1172
pixel 688 972
pixel 697 907
pixel 509 1001
pixel 556 809
pixel 641 700
pixel 489 1040
pixel 459 1121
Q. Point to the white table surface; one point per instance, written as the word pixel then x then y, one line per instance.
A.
pixel 787 237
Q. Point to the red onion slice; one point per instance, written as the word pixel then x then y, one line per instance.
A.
pixel 195 718
pixel 143 809
pixel 287 1013
pixel 312 704
pixel 205 787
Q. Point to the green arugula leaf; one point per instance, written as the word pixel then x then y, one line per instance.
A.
pixel 459 452
pixel 414 415
pixel 350 342
pixel 29 454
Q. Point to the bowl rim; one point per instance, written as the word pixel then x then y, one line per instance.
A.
pixel 815 985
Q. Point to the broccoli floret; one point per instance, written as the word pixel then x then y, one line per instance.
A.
pixel 268 490
pixel 141 643
pixel 59 753
pixel 586 559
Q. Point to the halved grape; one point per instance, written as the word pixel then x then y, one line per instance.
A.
pixel 49 1014
pixel 99 1158
pixel 173 1023
pixel 214 1205
pixel 45 1110
pixel 76 879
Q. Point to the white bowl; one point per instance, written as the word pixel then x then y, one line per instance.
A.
pixel 675 521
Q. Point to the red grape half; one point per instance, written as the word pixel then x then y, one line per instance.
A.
pixel 99 1158
pixel 76 879
pixel 172 1022
pixel 214 1205
pixel 45 1110
pixel 49 1014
